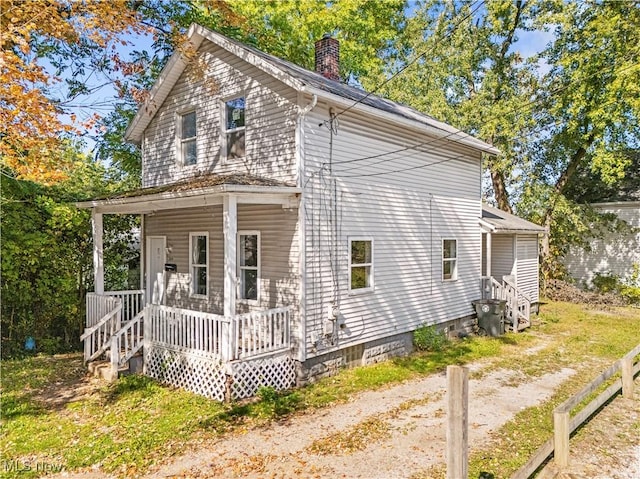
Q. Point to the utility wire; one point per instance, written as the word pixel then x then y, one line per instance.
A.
pixel 520 109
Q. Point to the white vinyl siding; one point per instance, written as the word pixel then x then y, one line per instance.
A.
pixel 279 284
pixel 269 135
pixel 527 266
pixel 616 253
pixel 408 211
pixel 502 256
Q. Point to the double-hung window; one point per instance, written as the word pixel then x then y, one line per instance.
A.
pixel 360 264
pixel 187 132
pixel 199 263
pixel 249 264
pixel 449 259
pixel 234 128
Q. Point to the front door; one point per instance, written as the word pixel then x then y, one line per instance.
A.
pixel 155 268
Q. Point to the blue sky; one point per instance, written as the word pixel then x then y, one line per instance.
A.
pixel 103 97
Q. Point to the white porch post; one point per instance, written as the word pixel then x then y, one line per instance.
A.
pixel 98 251
pixel 488 254
pixel 230 227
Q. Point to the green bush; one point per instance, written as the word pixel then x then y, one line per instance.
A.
pixel 429 338
pixel 606 283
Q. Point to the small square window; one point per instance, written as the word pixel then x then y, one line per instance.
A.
pixel 234 128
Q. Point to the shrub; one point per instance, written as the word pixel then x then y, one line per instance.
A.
pixel 429 338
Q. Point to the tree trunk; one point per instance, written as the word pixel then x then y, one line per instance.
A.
pixel 558 190
pixel 500 189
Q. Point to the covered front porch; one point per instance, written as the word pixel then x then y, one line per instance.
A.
pixel 220 327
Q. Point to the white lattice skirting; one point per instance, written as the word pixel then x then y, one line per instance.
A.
pixel 278 372
pixel 196 373
pixel 206 375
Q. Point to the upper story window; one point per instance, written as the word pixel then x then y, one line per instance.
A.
pixel 234 128
pixel 199 262
pixel 360 264
pixel 249 264
pixel 449 259
pixel 187 131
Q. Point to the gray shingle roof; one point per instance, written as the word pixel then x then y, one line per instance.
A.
pixel 504 222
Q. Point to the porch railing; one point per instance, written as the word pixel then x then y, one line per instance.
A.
pixel 518 306
pixel 97 337
pixel 132 303
pixel 261 332
pixel 491 288
pixel 127 341
pixel 241 337
pixel 187 330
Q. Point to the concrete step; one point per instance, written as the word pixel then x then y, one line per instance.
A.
pixel 102 368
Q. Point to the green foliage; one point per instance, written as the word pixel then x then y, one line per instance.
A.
pixel 46 262
pixel 628 288
pixel 430 338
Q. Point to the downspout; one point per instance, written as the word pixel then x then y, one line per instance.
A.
pixel 302 263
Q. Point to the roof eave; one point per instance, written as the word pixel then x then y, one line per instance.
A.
pixel 176 199
pixel 176 65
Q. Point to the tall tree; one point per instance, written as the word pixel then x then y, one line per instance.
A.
pixel 460 63
pixel 76 39
pixel 591 104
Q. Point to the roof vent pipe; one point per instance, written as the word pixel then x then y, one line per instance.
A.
pixel 328 57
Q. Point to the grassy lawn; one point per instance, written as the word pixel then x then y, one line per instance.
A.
pixel 126 426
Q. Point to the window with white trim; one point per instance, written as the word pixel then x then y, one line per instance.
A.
pixel 234 128
pixel 249 264
pixel 449 259
pixel 199 263
pixel 187 133
pixel 360 264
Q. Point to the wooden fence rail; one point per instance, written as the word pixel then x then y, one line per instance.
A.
pixel 564 425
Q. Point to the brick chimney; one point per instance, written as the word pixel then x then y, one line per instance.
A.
pixel 328 57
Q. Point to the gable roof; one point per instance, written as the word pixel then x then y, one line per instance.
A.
pixel 301 80
pixel 503 222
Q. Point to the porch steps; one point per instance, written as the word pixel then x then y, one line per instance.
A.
pixel 101 369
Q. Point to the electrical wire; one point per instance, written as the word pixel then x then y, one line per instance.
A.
pixel 444 36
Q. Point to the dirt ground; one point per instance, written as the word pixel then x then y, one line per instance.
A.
pixel 397 432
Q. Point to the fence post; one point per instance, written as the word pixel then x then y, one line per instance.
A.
pixel 146 336
pixel 561 438
pixel 627 377
pixel 115 357
pixel 457 422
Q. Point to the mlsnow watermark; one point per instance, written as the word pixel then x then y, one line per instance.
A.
pixel 23 466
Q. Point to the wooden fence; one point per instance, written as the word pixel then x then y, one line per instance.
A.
pixel 564 424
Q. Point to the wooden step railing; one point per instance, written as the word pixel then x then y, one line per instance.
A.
pixel 97 337
pixel 518 311
pixel 132 302
pixel 126 342
pixel 518 307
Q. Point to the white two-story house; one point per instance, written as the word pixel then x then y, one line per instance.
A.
pixel 291 224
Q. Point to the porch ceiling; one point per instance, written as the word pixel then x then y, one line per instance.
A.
pixel 287 196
